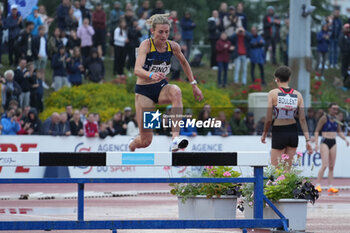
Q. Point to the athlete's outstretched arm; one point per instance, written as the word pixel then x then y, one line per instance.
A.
pixel 341 134
pixel 303 123
pixel 187 69
pixel 140 61
pixel 268 119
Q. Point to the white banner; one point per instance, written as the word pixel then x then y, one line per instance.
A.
pixel 159 144
pixel 24 6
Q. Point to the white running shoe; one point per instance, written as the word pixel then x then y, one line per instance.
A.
pixel 178 143
pixel 130 141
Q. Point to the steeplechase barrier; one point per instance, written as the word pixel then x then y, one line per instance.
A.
pixel 257 160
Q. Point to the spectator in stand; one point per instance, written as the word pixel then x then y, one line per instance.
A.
pixel 33 121
pixel 85 12
pixel 187 27
pixel 319 114
pixel 99 22
pixel 231 22
pixel 76 126
pixel 203 116
pixel 69 111
pixel 344 44
pixel 158 9
pixel 223 49
pixel 50 126
pixel 175 24
pixel 260 127
pixel 24 127
pixel 73 41
pixel 237 124
pixel 25 43
pixel 257 54
pixel 95 70
pixel 75 68
pixel 85 33
pixel 22 77
pixel 10 89
pixel 34 17
pixel 214 25
pixel 2 28
pixel 114 19
pixel 175 63
pixel 242 16
pixel 311 121
pixel 134 35
pixel 120 40
pixel 129 18
pixel 77 13
pixel 44 18
pixel 25 113
pixel 54 43
pixel 105 131
pixel 64 125
pixel 10 126
pixel 119 125
pixel 284 41
pixel 144 8
pixel 271 24
pixel 59 66
pixel 40 91
pixel 72 23
pixel 13 24
pixel 250 123
pixel 61 14
pixel 90 126
pixel 322 49
pixel 225 129
pixel 97 118
pixel 33 82
pixel 240 40
pixel 223 11
pixel 335 29
pixel 127 115
pixel 142 23
pixel 343 124
pixel 132 127
pixel 40 51
pixel 83 114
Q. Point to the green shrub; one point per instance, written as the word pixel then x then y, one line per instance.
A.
pixel 106 99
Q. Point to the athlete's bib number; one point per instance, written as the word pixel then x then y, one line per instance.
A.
pixel 287 105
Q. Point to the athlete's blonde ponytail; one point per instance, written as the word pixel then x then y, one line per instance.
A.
pixel 158 19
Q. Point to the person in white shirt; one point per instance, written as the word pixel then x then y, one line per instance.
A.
pixel 120 40
pixel 132 127
pixel 40 45
pixel 77 13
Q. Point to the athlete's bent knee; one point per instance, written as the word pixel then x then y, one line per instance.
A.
pixel 176 93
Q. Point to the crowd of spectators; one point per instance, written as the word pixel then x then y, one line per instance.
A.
pixel 75 49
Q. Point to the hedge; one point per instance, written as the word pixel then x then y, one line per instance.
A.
pixel 106 99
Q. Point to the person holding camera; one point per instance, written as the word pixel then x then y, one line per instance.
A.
pixel 59 65
pixel 9 123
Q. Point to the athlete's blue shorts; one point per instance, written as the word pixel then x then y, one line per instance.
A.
pixel 151 91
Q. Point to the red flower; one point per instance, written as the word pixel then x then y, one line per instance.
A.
pixel 258 80
pixel 347 100
pixel 318 74
pixel 244 92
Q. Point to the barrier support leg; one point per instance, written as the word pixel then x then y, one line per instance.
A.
pixel 258 192
pixel 114 230
pixel 244 230
pixel 80 202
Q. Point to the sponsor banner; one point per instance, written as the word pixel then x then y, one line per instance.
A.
pixel 310 163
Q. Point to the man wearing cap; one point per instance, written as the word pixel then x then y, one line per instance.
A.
pixel 127 114
pixel 12 23
pixel 344 44
pixel 237 124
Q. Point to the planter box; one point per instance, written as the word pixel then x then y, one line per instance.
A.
pixel 203 208
pixel 293 209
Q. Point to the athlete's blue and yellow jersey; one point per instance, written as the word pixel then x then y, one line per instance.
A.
pixel 156 61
